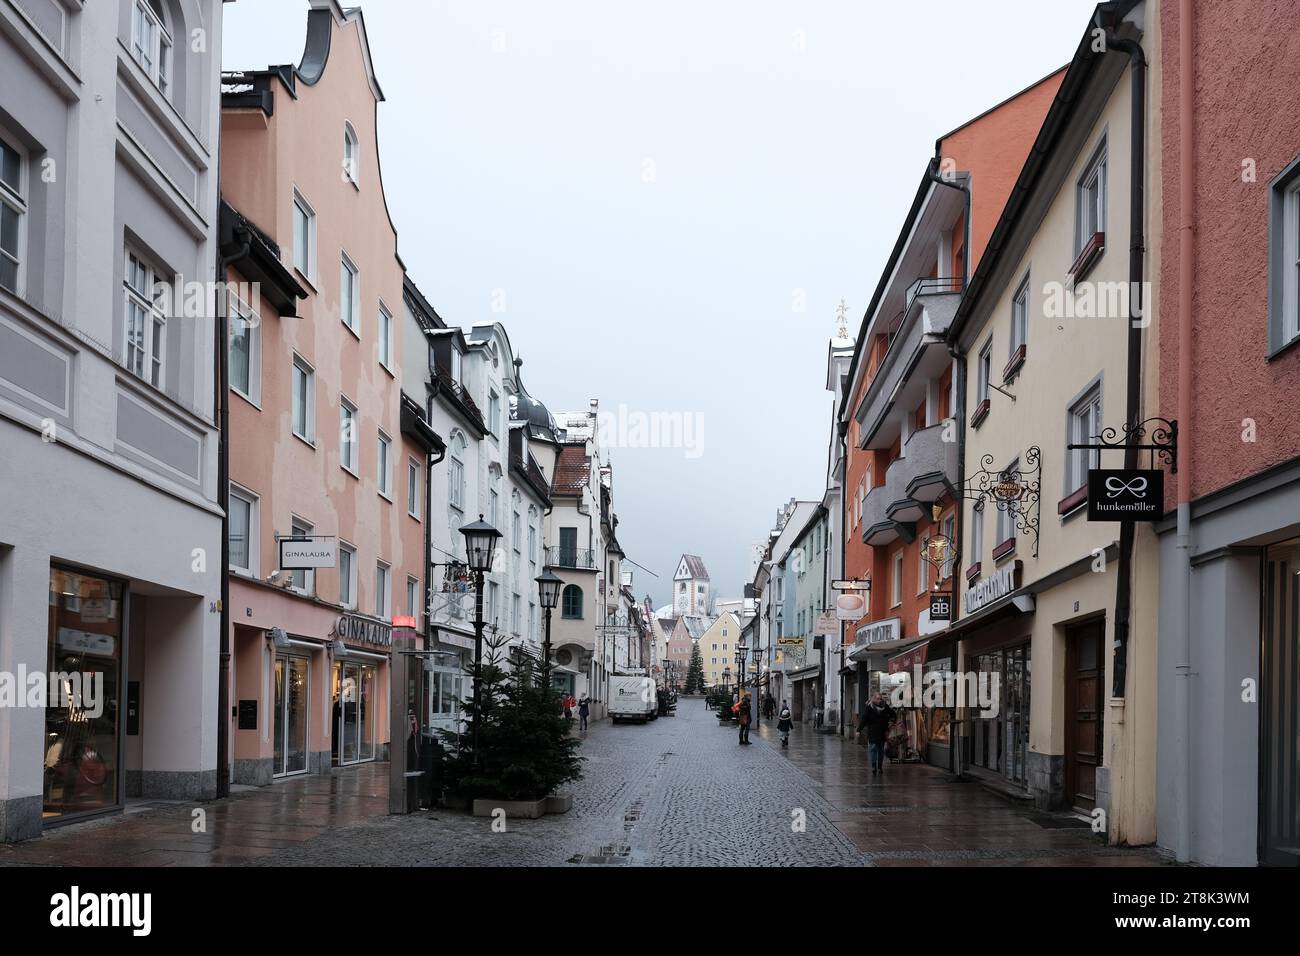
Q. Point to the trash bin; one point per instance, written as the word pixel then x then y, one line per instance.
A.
pixel 430 766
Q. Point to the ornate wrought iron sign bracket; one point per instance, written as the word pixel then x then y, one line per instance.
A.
pixel 1163 433
pixel 1015 490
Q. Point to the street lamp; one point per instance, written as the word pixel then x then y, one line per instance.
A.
pixel 480 541
pixel 726 679
pixel 548 586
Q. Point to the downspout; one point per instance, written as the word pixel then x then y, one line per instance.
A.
pixel 843 428
pixel 222 345
pixel 1133 396
pixel 1186 277
pixel 959 359
pixel 428 544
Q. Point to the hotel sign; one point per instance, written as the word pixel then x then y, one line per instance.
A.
pixel 997 585
pixel 304 553
pixel 888 630
pixel 362 630
pixel 940 606
pixel 1118 494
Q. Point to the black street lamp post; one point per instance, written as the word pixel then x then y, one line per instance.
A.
pixel 548 586
pixel 480 542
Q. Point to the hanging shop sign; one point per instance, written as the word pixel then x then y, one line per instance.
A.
pixel 864 585
pixel 305 553
pixel 362 630
pixel 940 606
pixel 828 623
pixel 851 605
pixel 1125 494
pixel 997 585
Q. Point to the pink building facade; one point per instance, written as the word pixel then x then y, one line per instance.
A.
pixel 321 449
pixel 1229 373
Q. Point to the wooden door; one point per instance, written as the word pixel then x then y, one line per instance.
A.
pixel 1084 675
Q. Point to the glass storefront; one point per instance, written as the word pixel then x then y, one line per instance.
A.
pixel 83 731
pixel 1000 744
pixel 354 694
pixel 291 706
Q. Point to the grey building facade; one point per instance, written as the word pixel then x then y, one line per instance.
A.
pixel 110 532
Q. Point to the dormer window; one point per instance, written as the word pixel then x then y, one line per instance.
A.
pixel 351 154
pixel 151 44
pixel 455 363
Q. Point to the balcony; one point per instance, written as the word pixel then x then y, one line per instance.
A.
pixel 572 558
pixel 927 472
pixel 458 396
pixel 916 355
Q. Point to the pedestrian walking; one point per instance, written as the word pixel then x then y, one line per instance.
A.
pixel 568 706
pixel 743 717
pixel 769 706
pixel 784 724
pixel 876 718
pixel 584 710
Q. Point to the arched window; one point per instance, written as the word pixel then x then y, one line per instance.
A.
pixel 571 601
pixel 351 153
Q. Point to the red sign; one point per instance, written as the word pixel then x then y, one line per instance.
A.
pixel 405 622
pixel 905 661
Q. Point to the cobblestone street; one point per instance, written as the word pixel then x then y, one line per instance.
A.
pixel 677 791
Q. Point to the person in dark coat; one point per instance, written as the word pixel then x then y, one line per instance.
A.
pixel 743 716
pixel 784 725
pixel 876 718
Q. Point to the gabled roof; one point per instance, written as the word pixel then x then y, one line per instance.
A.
pixel 572 471
pixel 694 567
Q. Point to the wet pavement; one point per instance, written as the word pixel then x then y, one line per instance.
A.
pixel 677 791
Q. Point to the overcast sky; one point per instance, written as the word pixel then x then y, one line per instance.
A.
pixel 658 190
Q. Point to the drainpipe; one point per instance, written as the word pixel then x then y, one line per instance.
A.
pixel 428 542
pixel 843 428
pixel 1186 277
pixel 1133 397
pixel 222 345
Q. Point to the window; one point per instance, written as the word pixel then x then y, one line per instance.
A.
pixel 383 473
pixel 303 580
pixel 455 363
pixel 347 435
pixel 515 620
pixel 13 207
pixel 412 596
pixel 985 371
pixel 532 537
pixel 349 294
pixel 351 154
pixel 145 325
pixel 385 343
pixel 516 533
pixel 381 589
pixel 571 602
pixel 1020 316
pixel 304 397
pixel 923 566
pixel 245 350
pixel 1091 200
pixel 304 237
pixel 896 583
pixel 1006 529
pixel 243 530
pixel 151 44
pixel 494 412
pixel 413 488
pixel 493 499
pixel 977 533
pixel 1084 425
pixel 456 474
pixel 347 575
pixel 1283 259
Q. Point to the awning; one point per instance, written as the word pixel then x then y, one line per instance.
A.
pixel 875 655
pixel 803 673
pixel 910 658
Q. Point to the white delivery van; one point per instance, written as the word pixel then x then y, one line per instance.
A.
pixel 632 698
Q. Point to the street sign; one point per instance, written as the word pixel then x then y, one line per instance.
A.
pixel 1120 494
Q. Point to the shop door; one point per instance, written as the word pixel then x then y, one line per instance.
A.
pixel 354 723
pixel 1279 810
pixel 290 732
pixel 1084 676
pixel 1016 684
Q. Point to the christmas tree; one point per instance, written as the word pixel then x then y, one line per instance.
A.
pixel 695 672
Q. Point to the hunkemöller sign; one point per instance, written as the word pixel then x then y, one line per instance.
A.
pixel 997 585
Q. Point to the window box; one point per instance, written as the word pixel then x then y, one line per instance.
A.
pixel 981 413
pixel 1072 501
pixel 1005 549
pixel 1088 256
pixel 1013 366
pixel 973 571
